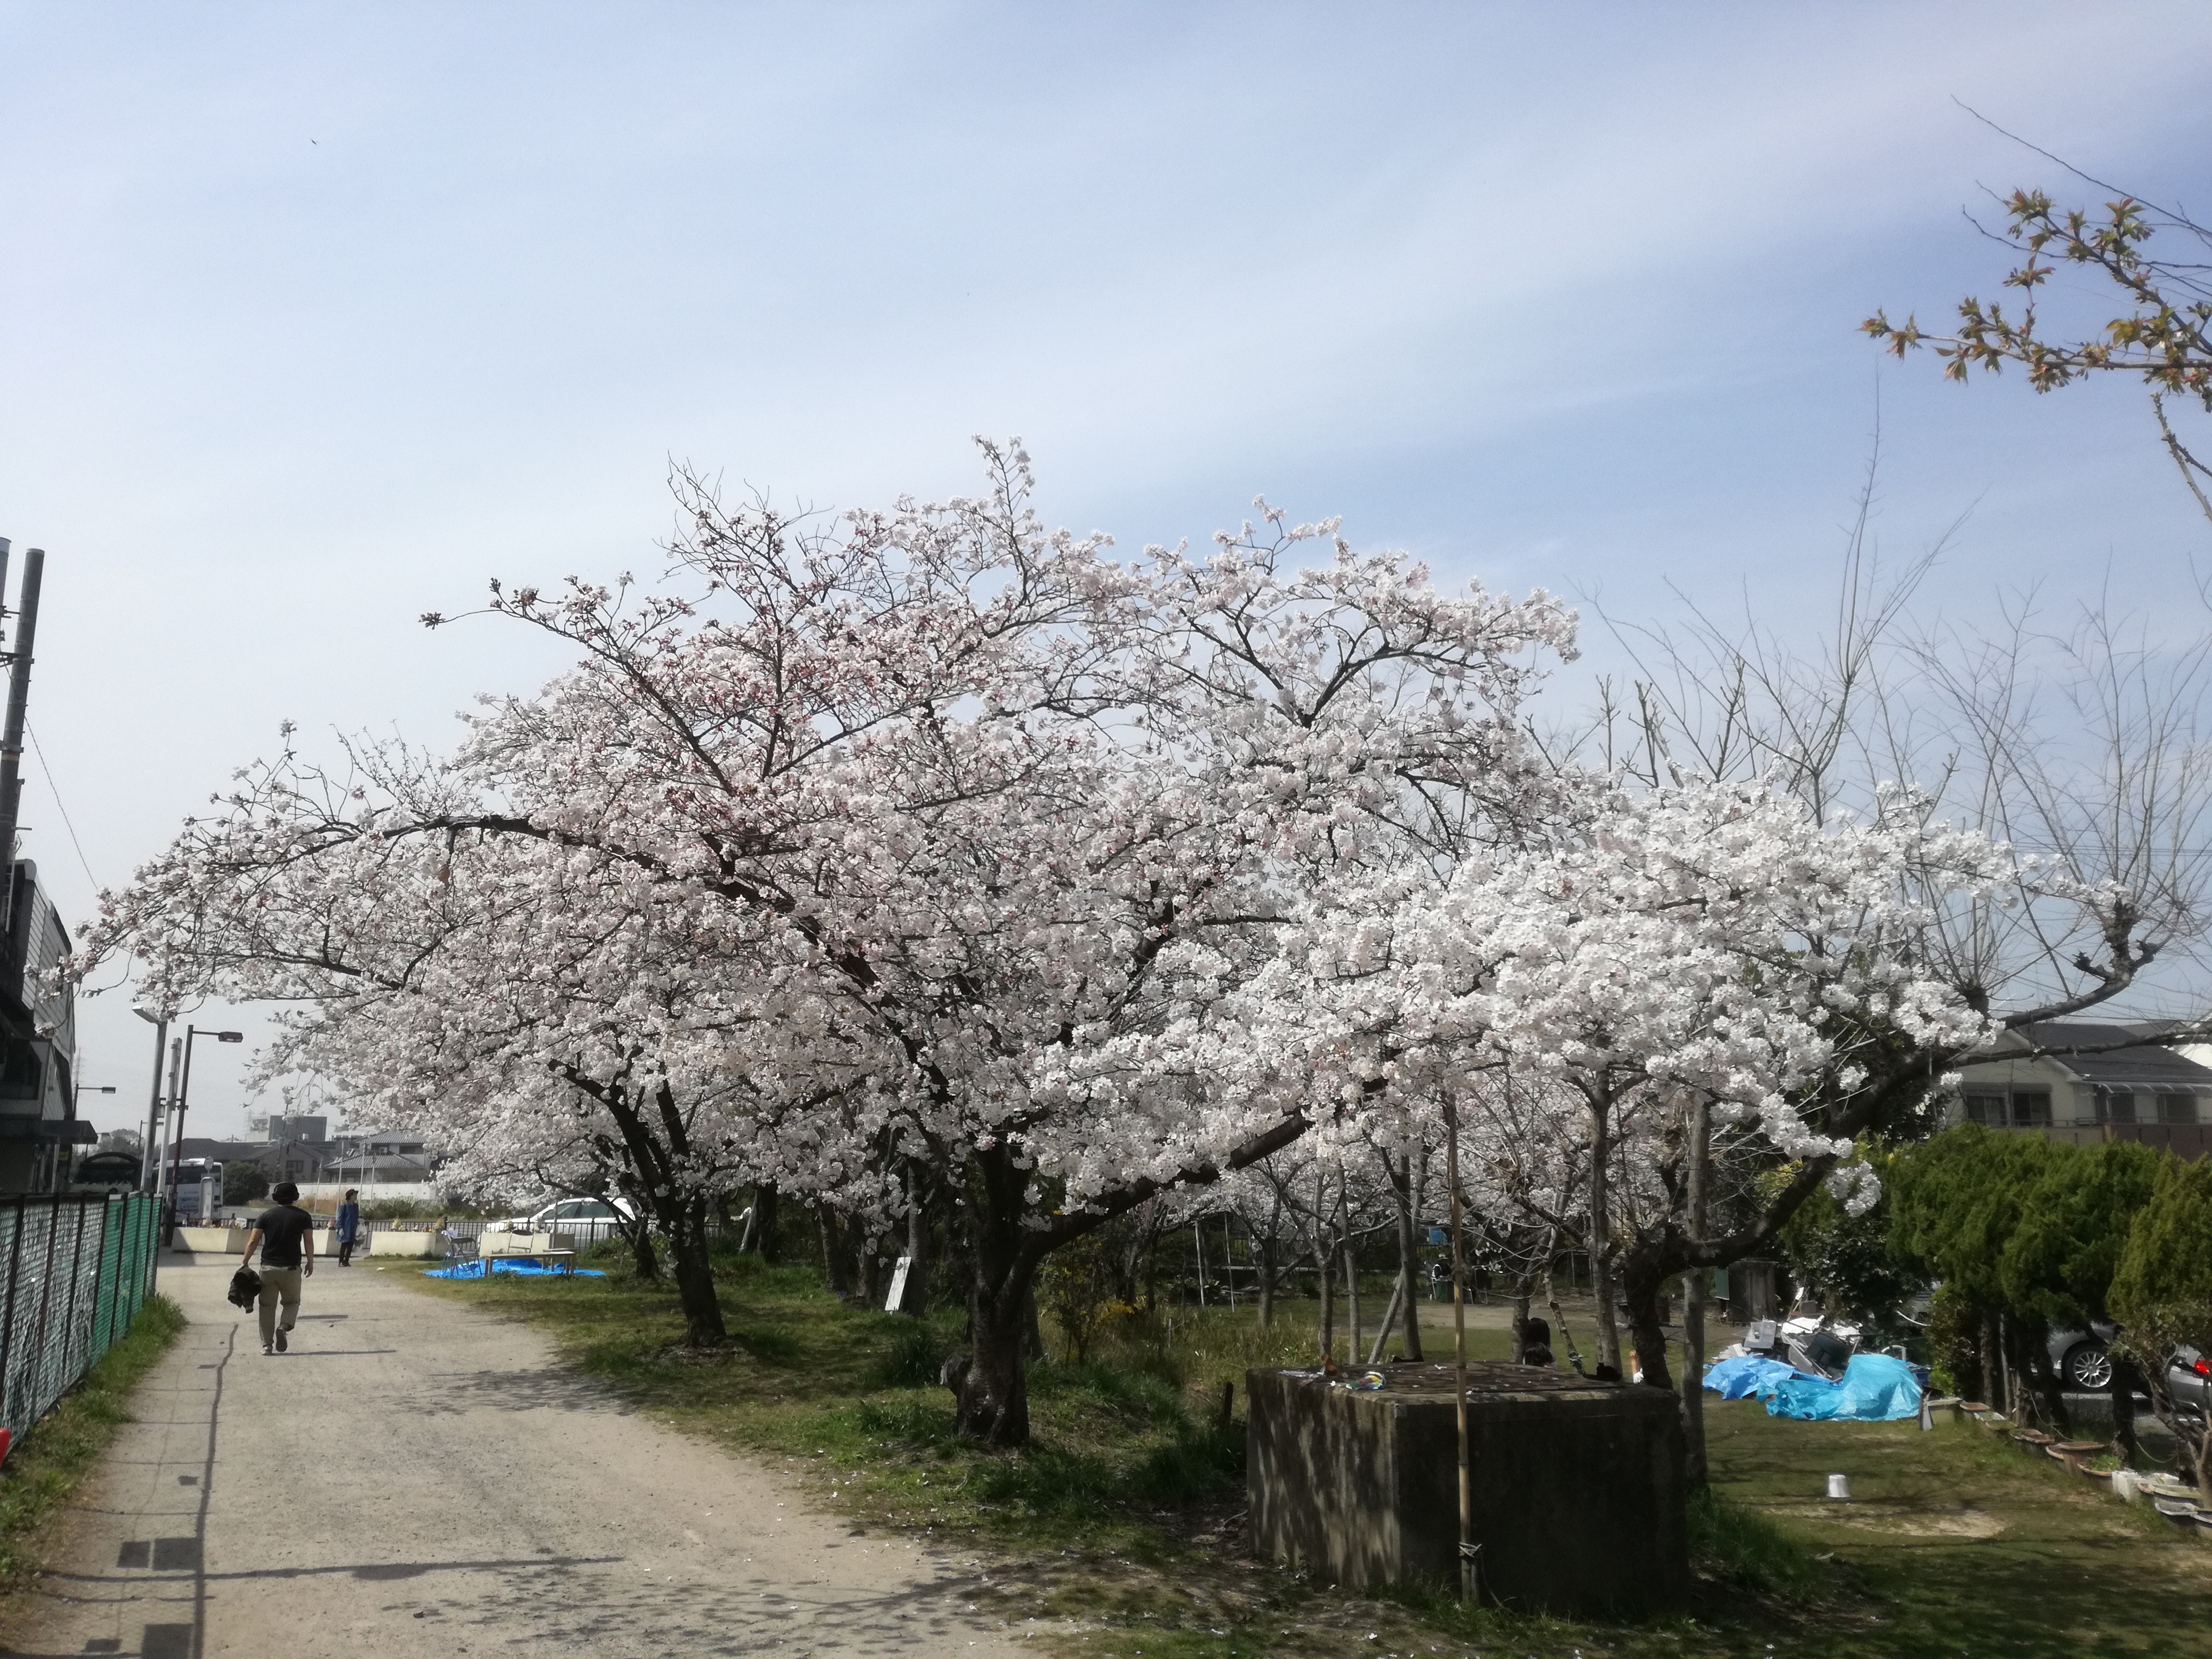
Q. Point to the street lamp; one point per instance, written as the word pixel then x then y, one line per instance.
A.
pixel 192 1034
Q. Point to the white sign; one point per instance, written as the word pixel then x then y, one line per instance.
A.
pixel 898 1285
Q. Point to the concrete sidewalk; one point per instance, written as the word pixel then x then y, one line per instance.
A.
pixel 417 1479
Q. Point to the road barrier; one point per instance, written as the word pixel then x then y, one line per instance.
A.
pixel 74 1271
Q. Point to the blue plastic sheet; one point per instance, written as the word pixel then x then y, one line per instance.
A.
pixel 1744 1375
pixel 507 1264
pixel 1877 1388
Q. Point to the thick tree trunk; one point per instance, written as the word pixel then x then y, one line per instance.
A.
pixel 870 1261
pixel 1402 1191
pixel 767 1215
pixel 990 1382
pixel 694 1274
pixel 682 1213
pixel 1694 1467
pixel 836 1266
pixel 1606 1343
pixel 644 1261
pixel 916 1296
pixel 1647 1314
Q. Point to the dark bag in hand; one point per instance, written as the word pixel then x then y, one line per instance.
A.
pixel 244 1288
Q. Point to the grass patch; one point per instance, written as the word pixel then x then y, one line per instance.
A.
pixel 41 1472
pixel 1120 1525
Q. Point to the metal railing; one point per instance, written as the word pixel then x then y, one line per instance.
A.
pixel 74 1271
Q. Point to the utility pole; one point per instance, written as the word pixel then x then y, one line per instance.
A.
pixel 11 735
pixel 150 1178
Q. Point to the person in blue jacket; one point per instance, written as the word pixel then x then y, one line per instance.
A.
pixel 348 1226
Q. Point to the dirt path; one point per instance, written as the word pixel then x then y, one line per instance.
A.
pixel 417 1478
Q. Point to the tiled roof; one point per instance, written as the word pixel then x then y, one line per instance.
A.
pixel 2116 1059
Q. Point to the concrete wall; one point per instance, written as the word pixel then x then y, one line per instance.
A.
pixel 324 1194
pixel 1578 1486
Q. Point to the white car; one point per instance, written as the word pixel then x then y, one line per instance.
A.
pixel 589 1220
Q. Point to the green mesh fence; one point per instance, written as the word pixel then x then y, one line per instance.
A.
pixel 74 1272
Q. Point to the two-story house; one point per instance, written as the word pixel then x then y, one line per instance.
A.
pixel 2099 1081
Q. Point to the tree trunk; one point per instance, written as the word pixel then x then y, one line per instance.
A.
pixel 644 1261
pixel 1401 1190
pixel 2123 1395
pixel 1328 1309
pixel 1350 1253
pixel 1694 1468
pixel 1268 1270
pixel 695 1275
pixel 1647 1314
pixel 682 1213
pixel 1992 1378
pixel 1605 1344
pixel 836 1268
pixel 870 1262
pixel 916 1297
pixel 767 1217
pixel 990 1382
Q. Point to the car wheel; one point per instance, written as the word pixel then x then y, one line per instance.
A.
pixel 2087 1367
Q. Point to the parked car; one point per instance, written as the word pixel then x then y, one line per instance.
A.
pixel 2083 1358
pixel 589 1220
pixel 2188 1380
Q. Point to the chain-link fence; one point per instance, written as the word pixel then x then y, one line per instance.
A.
pixel 74 1271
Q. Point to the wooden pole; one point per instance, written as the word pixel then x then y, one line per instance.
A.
pixel 1470 1583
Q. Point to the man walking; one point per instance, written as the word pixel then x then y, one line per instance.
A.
pixel 348 1226
pixel 286 1235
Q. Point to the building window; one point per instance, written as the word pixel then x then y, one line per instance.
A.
pixel 2116 1106
pixel 1983 1107
pixel 2031 1109
pixel 2177 1108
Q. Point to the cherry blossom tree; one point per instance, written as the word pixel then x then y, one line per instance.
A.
pixel 909 836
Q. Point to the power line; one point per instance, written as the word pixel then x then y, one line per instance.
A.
pixel 55 789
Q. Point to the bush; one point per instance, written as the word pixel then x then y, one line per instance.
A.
pixel 916 1359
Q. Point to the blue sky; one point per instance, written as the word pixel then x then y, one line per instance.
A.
pixel 311 317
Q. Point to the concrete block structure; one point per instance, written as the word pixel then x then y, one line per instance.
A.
pixel 1578 1486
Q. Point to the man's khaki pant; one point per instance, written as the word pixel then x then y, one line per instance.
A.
pixel 275 1283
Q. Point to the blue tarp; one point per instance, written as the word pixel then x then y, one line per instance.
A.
pixel 505 1264
pixel 1876 1388
pixel 1745 1375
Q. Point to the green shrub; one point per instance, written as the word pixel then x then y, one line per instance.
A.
pixel 916 1359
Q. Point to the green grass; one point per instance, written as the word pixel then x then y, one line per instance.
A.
pixel 41 1472
pixel 1120 1525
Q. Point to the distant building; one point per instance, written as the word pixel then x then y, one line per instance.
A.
pixel 373 1160
pixel 40 1130
pixel 2101 1081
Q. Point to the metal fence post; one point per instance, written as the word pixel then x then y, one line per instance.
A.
pixel 45 1302
pixel 7 1317
pixel 76 1281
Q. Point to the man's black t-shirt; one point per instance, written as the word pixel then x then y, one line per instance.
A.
pixel 281 1229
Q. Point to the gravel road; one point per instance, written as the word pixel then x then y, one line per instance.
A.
pixel 417 1479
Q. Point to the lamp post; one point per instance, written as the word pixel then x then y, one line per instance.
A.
pixel 192 1034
